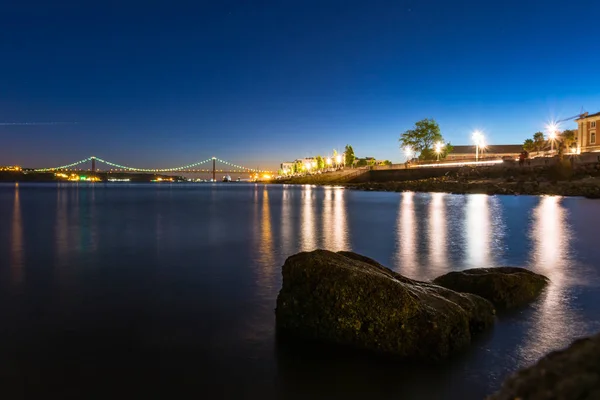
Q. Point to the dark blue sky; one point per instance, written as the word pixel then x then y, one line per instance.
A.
pixel 257 82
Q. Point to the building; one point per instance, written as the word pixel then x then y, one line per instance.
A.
pixel 490 152
pixel 586 138
pixel 287 166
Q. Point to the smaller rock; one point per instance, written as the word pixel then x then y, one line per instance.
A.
pixel 570 374
pixel 505 287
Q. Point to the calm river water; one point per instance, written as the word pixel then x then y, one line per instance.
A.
pixel 166 291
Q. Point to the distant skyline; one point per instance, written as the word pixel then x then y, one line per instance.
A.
pixel 260 82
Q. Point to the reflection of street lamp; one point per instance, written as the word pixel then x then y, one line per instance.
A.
pixel 438 149
pixel 479 143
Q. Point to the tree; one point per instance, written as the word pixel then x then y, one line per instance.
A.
pixel 320 162
pixel 371 162
pixel 529 145
pixel 422 138
pixel 334 158
pixel 539 141
pixel 349 156
pixel 361 162
pixel 566 141
pixel 568 138
pixel 386 162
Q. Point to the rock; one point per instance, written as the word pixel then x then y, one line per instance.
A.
pixel 351 300
pixel 505 287
pixel 573 373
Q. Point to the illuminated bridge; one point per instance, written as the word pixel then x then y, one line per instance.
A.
pixel 197 167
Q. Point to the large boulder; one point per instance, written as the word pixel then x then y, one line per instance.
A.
pixel 355 301
pixel 570 374
pixel 505 287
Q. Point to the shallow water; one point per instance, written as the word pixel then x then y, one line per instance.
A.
pixel 169 290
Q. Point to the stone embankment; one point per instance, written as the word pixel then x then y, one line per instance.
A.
pixel 559 179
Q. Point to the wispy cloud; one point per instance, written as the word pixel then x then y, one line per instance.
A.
pixel 35 123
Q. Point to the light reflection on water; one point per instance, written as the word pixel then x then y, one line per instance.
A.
pixel 308 231
pixel 477 231
pixel 554 323
pixel 406 236
pixel 437 233
pixel 16 245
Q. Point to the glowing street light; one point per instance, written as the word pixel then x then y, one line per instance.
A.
pixel 408 151
pixel 328 161
pixel 553 130
pixel 338 159
pixel 479 143
pixel 438 149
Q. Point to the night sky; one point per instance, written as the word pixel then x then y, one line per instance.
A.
pixel 259 82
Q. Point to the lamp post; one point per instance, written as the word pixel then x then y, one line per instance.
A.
pixel 338 160
pixel 408 151
pixel 478 139
pixel 552 135
pixel 438 150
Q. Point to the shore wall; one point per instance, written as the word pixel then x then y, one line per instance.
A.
pixel 389 175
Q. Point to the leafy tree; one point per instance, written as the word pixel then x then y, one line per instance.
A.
pixel 371 162
pixel 361 162
pixel 566 141
pixel 386 162
pixel 568 138
pixel 422 138
pixel 529 145
pixel 335 154
pixel 320 162
pixel 539 141
pixel 349 156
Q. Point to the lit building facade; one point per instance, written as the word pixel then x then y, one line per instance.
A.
pixel 587 139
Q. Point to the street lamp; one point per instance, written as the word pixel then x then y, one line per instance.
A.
pixel 479 143
pixel 552 134
pixel 338 160
pixel 328 161
pixel 408 151
pixel 438 149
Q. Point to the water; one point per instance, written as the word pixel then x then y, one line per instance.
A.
pixel 169 291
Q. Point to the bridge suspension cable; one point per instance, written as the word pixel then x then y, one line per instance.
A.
pixel 135 169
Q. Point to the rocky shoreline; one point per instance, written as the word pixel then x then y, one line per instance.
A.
pixel 587 187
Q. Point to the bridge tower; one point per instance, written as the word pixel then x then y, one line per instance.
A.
pixel 93 165
pixel 214 169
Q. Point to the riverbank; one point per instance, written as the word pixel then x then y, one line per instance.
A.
pixel 559 179
pixel 587 187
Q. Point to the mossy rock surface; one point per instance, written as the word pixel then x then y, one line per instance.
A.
pixel 569 374
pixel 505 287
pixel 351 300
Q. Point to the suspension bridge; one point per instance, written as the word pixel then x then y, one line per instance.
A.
pixel 197 167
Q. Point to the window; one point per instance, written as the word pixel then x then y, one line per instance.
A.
pixel 592 137
pixel 593 124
